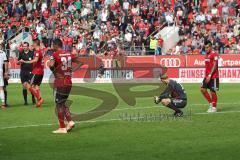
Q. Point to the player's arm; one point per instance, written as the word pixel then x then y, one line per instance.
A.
pixel 213 69
pixel 6 73
pixel 52 63
pixel 78 63
pixel 35 60
pixel 165 93
pixel 6 67
pixel 19 58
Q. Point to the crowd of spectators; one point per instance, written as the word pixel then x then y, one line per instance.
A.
pixel 111 27
pixel 214 20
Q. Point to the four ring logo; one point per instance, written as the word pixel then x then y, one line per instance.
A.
pixel 111 63
pixel 170 62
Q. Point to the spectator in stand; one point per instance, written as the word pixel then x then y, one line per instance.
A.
pixel 126 6
pixel 58 19
pixel 138 49
pixel 14 49
pixel 177 49
pixel 153 46
pixel 1 37
pixel 160 45
pixel 169 18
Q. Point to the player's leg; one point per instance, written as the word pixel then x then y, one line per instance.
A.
pixel 168 103
pixel 214 87
pixel 24 79
pixel 62 96
pixel 65 94
pixel 214 101
pixel 178 103
pixel 207 97
pixel 68 116
pixel 39 97
pixel 29 87
pixel 60 114
pixel 2 96
pixel 5 91
pixel 34 93
pixel 33 99
pixel 205 93
pixel 29 79
pixel 5 94
pixel 60 109
pixel 34 88
pixel 24 92
pixel 37 83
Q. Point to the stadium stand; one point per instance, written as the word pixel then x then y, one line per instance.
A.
pixel 111 27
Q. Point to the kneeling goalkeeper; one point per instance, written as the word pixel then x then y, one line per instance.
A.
pixel 174 96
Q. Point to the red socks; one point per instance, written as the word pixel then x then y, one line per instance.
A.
pixel 63 112
pixel 207 97
pixel 214 99
pixel 61 117
pixel 35 92
pixel 67 113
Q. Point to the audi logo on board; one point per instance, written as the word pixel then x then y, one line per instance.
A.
pixel 170 62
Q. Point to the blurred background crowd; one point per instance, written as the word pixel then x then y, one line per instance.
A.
pixel 113 27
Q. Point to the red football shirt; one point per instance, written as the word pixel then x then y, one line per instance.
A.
pixel 63 68
pixel 38 67
pixel 46 14
pixel 57 32
pixel 64 22
pixel 160 42
pixel 70 41
pixel 65 40
pixel 65 1
pixel 34 35
pixel 209 61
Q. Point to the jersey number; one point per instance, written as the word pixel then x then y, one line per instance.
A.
pixel 66 63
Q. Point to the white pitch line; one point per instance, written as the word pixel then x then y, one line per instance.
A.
pixel 223 112
pixel 140 108
pixel 205 104
pixel 109 120
pixel 26 126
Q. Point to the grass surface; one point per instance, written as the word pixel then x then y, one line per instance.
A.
pixel 126 132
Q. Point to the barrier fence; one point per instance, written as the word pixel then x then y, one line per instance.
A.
pixel 185 68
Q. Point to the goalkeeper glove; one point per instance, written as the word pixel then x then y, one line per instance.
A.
pixel 156 99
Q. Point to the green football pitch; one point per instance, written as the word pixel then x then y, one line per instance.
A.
pixel 144 131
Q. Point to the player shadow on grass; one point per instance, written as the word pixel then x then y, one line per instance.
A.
pixel 224 109
pixel 90 126
pixel 17 105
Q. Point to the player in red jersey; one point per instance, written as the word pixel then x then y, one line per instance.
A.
pixel 211 80
pixel 37 72
pixel 61 66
